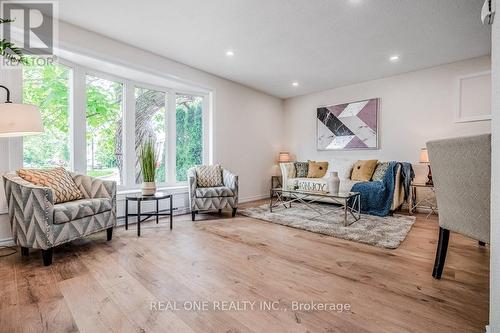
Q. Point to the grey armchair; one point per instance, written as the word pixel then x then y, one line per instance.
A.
pixel 461 170
pixel 38 223
pixel 213 198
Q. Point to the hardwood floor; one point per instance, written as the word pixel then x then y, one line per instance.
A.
pixel 99 286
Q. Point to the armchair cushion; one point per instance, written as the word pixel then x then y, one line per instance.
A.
pixel 209 175
pixel 74 210
pixel 57 179
pixel 213 192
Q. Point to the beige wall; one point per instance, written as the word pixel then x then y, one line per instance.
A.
pixel 414 108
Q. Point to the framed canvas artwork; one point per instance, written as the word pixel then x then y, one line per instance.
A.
pixel 348 126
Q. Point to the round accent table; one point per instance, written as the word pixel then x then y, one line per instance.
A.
pixel 141 217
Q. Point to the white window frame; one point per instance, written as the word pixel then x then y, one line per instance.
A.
pixel 78 127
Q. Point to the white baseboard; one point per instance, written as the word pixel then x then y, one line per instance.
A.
pixel 7 242
pixel 254 198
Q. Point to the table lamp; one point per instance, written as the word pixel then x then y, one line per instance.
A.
pixel 284 157
pixel 424 159
pixel 19 119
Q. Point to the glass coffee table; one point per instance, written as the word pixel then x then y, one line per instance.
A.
pixel 349 202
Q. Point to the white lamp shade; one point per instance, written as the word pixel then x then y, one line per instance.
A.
pixel 424 155
pixel 19 120
pixel 284 157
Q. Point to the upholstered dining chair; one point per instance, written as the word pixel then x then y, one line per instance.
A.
pixel 206 192
pixel 37 222
pixel 461 170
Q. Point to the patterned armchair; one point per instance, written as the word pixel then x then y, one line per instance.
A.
pixel 212 198
pixel 38 223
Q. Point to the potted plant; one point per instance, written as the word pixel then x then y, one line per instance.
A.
pixel 148 167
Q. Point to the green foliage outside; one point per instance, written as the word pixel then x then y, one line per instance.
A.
pixel 189 130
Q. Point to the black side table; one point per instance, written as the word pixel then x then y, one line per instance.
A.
pixel 157 213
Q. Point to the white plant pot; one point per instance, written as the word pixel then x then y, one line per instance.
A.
pixel 333 183
pixel 148 188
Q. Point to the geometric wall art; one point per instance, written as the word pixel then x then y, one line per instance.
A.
pixel 348 126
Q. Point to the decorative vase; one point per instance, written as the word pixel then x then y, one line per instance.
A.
pixel 333 183
pixel 148 188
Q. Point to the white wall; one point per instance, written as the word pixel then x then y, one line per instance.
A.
pixel 247 123
pixel 414 108
pixel 495 185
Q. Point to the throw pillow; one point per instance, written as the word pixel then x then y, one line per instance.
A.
pixel 58 179
pixel 301 169
pixel 363 170
pixel 317 169
pixel 380 171
pixel 209 176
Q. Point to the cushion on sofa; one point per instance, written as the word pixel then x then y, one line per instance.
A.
pixel 209 176
pixel 380 171
pixel 78 209
pixel 213 192
pixel 317 169
pixel 342 166
pixel 363 170
pixel 58 179
pixel 318 184
pixel 301 169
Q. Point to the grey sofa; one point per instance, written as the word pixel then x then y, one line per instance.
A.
pixel 461 170
pixel 38 223
pixel 213 198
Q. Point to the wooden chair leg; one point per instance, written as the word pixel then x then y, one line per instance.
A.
pixel 482 243
pixel 220 211
pixel 25 251
pixel 109 233
pixel 47 256
pixel 442 248
pixel 234 211
pixel 193 215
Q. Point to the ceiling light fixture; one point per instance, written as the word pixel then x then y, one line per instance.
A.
pixel 394 58
pixel 230 53
pixel 295 84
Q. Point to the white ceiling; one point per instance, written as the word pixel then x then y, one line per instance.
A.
pixel 319 43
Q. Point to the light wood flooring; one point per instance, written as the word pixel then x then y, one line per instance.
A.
pixel 98 286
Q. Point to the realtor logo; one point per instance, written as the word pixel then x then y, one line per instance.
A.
pixel 30 26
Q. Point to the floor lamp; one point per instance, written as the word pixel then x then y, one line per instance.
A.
pixel 19 119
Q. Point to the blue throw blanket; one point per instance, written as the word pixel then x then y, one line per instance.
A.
pixel 377 196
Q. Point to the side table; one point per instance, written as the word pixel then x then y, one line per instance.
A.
pixel 276 182
pixel 427 200
pixel 141 217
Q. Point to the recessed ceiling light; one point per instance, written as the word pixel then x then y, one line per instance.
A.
pixel 394 58
pixel 295 84
pixel 230 53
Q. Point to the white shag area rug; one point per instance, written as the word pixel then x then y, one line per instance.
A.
pixel 387 232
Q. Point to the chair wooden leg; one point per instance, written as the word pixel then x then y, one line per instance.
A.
pixel 193 214
pixel 442 248
pixel 482 243
pixel 25 251
pixel 47 256
pixel 109 233
pixel 234 211
pixel 220 211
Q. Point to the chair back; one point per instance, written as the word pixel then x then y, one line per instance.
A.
pixel 461 171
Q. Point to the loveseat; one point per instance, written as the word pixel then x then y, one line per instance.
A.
pixel 344 168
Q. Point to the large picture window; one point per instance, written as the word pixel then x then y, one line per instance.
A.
pixel 104 128
pixel 189 132
pixel 150 124
pixel 96 123
pixel 48 87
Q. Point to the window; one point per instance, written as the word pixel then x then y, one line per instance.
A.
pixel 48 88
pixel 150 124
pixel 189 134
pixel 104 128
pixel 97 122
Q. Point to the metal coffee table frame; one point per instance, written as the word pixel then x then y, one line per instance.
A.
pixel 284 197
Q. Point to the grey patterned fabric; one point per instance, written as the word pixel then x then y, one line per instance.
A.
pixel 461 170
pixel 380 171
pixel 32 212
pixel 301 169
pixel 208 198
pixel 74 210
pixel 211 192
